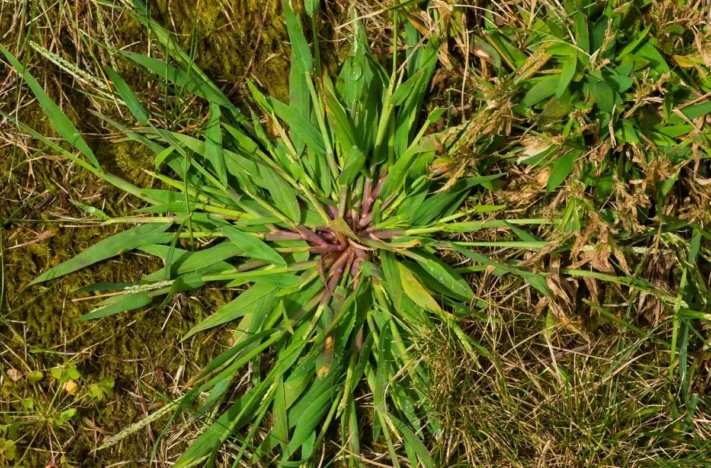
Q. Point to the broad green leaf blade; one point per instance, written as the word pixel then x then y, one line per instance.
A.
pixel 253 247
pixel 544 89
pixel 632 45
pixel 392 277
pixel 119 304
pixel 415 291
pixel 438 204
pixel 187 262
pixel 311 6
pixel 414 442
pixel 444 274
pixel 227 357
pixel 281 422
pixel 310 419
pixel 149 233
pixel 213 144
pixel 604 96
pixel 245 143
pixel 128 96
pixel 59 121
pixel 192 82
pixel 697 110
pixel 582 32
pixel 536 280
pixel 562 168
pixel 398 172
pixel 300 47
pixel 299 98
pixel 299 125
pixel 566 75
pixel 283 195
pixel 259 295
pixel 279 281
pixel 473 226
pixel 355 161
pixel 259 98
pixel 656 59
pixel 235 418
pixel 337 116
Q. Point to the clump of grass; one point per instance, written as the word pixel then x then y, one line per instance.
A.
pixel 599 111
pixel 545 398
pixel 323 214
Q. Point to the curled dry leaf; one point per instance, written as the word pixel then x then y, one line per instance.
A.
pixel 14 374
pixel 71 387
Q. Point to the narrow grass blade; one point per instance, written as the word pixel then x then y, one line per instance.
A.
pixel 128 97
pixel 59 121
pixel 252 246
pixel 246 303
pixel 282 194
pixel 302 53
pixel 191 82
pixel 536 280
pixel 299 125
pixel 414 289
pixel 125 241
pixel 444 274
pixel 213 144
pixel 281 422
pixel 119 304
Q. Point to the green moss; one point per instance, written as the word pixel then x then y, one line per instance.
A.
pixel 127 159
pixel 235 39
pixel 134 348
pixel 140 350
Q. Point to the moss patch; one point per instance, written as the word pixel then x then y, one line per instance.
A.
pixel 233 39
pixel 141 351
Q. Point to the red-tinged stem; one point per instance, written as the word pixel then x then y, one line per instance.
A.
pixel 332 283
pixel 332 211
pixel 329 237
pixel 387 202
pixel 282 236
pixel 370 194
pixel 309 236
pixel 365 220
pixel 346 267
pixel 326 248
pixel 359 340
pixel 379 185
pixel 327 295
pixel 326 233
pixel 355 216
pixel 340 264
pixel 360 256
pixel 367 200
pixel 327 261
